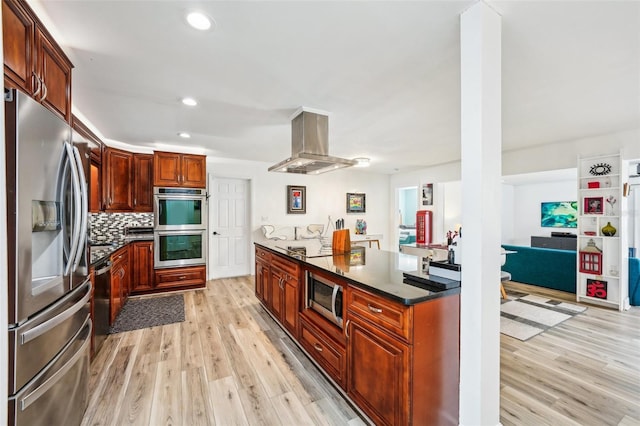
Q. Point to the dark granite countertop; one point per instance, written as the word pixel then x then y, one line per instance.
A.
pixel 381 272
pixel 98 253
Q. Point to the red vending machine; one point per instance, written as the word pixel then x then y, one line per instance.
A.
pixel 423 226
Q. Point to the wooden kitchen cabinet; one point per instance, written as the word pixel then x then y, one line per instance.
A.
pixel 263 273
pixel 180 278
pixel 33 61
pixel 397 356
pixel 118 172
pixel 331 355
pixel 173 169
pixel 142 274
pixel 277 286
pixel 378 365
pixel 83 135
pixel 120 282
pixel 143 183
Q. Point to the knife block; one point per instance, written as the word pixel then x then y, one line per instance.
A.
pixel 341 241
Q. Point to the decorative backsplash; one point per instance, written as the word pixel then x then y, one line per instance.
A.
pixel 110 226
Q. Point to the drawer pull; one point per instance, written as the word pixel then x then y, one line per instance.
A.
pixel 317 347
pixel 374 309
pixel 182 277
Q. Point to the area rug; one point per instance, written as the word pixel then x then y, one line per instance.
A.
pixel 149 312
pixel 523 316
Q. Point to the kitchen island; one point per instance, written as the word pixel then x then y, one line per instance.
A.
pixel 388 341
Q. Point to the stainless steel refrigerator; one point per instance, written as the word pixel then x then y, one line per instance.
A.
pixel 48 290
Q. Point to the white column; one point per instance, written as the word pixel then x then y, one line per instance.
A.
pixel 480 34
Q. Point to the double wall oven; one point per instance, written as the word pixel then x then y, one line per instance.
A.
pixel 180 228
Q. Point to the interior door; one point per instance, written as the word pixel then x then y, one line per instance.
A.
pixel 229 230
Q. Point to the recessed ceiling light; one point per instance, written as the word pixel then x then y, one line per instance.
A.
pixel 189 101
pixel 361 162
pixel 184 135
pixel 199 21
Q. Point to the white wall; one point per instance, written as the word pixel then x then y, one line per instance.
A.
pixel 326 195
pixel 520 212
pixel 526 209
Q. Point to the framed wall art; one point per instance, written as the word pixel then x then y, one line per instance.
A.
pixel 296 199
pixel 593 205
pixel 427 194
pixel 356 203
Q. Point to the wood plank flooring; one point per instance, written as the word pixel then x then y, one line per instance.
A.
pixel 229 363
pixel 585 371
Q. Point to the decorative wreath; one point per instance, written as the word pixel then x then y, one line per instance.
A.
pixel 600 169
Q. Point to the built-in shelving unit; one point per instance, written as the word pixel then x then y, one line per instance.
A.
pixel 602 261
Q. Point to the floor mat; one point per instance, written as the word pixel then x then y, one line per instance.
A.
pixel 149 312
pixel 523 316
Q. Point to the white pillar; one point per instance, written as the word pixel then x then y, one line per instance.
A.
pixel 480 52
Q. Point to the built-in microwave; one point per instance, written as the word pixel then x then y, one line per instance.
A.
pixel 179 248
pixel 324 297
pixel 179 209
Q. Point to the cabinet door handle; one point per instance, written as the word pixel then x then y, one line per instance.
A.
pixel 317 347
pixel 346 328
pixel 39 84
pixel 150 249
pixel 374 309
pixel 44 95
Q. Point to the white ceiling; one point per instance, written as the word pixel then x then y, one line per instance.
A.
pixel 388 72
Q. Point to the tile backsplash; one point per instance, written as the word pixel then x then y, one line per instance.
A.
pixel 110 226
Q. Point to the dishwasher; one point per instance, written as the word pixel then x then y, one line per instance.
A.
pixel 101 298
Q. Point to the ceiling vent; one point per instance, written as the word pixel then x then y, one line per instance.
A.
pixel 310 147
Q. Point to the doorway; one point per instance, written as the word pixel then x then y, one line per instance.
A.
pixel 229 228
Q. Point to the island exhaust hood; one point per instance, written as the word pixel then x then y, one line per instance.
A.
pixel 310 146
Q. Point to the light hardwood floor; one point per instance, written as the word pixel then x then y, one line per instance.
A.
pixel 229 363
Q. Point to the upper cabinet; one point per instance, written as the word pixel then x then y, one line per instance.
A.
pixel 33 61
pixel 182 170
pixel 93 146
pixel 143 182
pixel 118 172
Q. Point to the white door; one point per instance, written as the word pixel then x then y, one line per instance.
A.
pixel 229 230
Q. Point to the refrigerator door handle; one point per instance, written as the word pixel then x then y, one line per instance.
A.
pixel 39 330
pixel 43 388
pixel 84 208
pixel 75 181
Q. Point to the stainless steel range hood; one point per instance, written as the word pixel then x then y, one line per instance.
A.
pixel 310 147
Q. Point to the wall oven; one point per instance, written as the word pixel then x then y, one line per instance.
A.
pixel 324 297
pixel 179 209
pixel 179 248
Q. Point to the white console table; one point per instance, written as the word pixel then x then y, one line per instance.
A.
pixel 363 238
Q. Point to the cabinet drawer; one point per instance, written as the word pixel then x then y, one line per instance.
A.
pixel 180 277
pixel 328 354
pixel 392 317
pixel 263 254
pixel 286 265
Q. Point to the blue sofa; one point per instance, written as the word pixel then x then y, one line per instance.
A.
pixel 634 281
pixel 544 267
pixel 556 269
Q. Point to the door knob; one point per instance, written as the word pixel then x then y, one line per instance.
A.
pixel 215 233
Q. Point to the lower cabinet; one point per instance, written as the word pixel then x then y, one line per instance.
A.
pixel 142 270
pixel 398 363
pixel 328 353
pixel 120 282
pixel 378 373
pixel 277 287
pixel 180 278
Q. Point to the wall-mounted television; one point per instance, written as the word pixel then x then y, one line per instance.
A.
pixel 559 214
